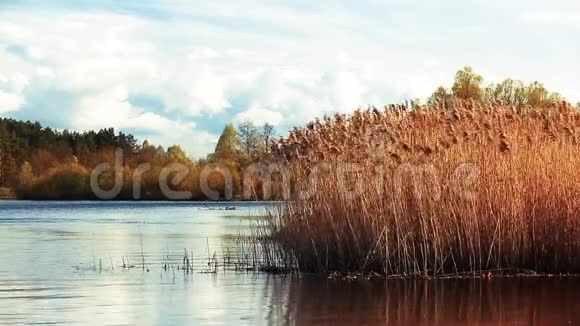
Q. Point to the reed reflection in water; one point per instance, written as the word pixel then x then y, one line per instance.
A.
pixel 431 302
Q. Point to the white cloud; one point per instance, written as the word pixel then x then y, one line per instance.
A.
pixel 11 92
pixel 112 109
pixel 194 75
pixel 569 18
pixel 10 102
pixel 260 116
pixel 278 63
pixel 194 87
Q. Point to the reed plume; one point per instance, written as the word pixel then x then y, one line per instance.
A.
pixel 469 188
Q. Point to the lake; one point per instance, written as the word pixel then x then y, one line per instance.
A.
pixel 68 263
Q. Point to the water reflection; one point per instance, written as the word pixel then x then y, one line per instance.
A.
pixel 40 243
pixel 440 302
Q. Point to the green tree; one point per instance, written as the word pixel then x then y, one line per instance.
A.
pixel 228 141
pixel 176 153
pixel 467 85
pixel 228 144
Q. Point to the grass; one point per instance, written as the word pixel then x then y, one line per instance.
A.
pixel 240 254
pixel 432 192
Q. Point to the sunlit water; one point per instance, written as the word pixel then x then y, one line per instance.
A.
pixel 62 263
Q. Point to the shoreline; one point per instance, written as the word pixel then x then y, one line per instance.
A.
pixel 236 200
pixel 460 276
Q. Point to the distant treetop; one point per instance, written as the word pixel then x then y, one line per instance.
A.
pixel 468 85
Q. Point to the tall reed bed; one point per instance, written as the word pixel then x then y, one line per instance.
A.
pixel 434 191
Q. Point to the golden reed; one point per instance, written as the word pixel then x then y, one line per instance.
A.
pixel 434 191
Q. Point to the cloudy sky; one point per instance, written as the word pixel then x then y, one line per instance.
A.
pixel 175 71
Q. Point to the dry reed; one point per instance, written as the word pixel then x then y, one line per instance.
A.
pixel 436 191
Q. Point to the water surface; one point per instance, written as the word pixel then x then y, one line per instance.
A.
pixel 62 263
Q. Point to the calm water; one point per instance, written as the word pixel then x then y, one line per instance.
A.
pixel 61 263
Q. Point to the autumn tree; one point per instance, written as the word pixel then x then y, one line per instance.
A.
pixel 467 85
pixel 176 153
pixel 160 152
pixel 516 93
pixel 42 161
pixel 267 135
pixel 538 95
pixel 441 96
pixel 26 176
pixel 249 138
pixel 508 91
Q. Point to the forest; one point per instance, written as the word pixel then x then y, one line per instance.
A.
pixel 38 162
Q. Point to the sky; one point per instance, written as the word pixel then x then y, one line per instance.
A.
pixel 176 71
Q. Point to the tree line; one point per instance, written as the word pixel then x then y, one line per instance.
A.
pixel 38 162
pixel 469 85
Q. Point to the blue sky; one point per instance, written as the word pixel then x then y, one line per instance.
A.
pixel 176 71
